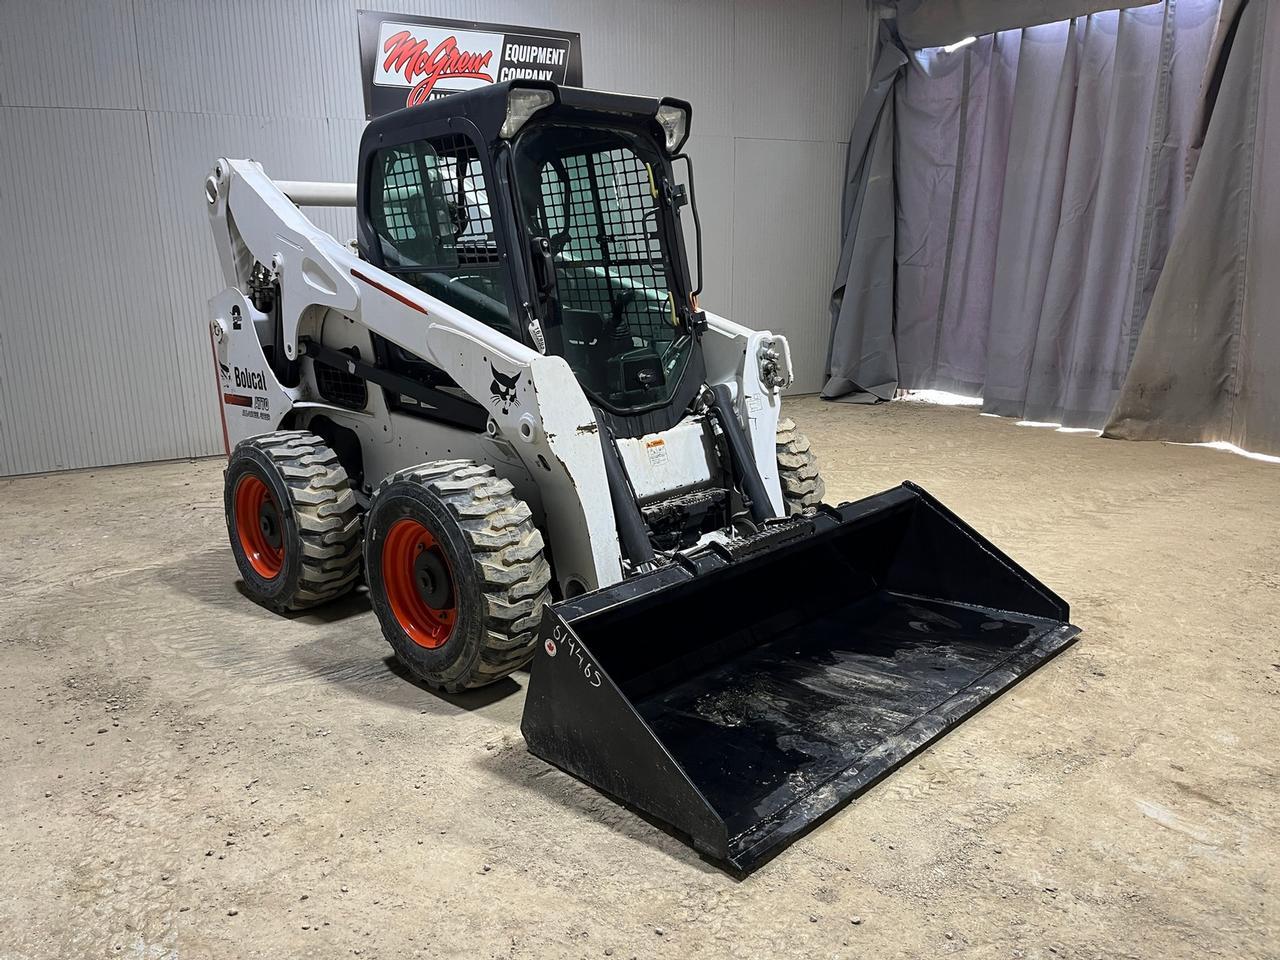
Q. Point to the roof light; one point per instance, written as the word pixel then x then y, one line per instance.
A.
pixel 523 103
pixel 953 47
pixel 675 124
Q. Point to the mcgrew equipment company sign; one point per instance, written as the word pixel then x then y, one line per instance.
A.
pixel 407 60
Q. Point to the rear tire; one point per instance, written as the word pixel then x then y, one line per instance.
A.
pixel 293 520
pixel 802 486
pixel 456 573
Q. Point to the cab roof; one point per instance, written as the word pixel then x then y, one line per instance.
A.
pixel 486 108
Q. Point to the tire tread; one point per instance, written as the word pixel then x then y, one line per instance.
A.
pixel 509 559
pixel 328 515
pixel 802 484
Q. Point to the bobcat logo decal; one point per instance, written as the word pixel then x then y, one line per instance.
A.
pixel 503 390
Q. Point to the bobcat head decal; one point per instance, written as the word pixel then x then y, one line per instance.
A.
pixel 503 389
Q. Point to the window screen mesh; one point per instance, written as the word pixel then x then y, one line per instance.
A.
pixel 609 248
pixel 594 197
pixel 430 210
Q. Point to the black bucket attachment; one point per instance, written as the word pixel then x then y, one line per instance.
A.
pixel 747 694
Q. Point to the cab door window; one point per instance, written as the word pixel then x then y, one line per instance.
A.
pixel 430 212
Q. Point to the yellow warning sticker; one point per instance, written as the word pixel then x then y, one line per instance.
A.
pixel 657 451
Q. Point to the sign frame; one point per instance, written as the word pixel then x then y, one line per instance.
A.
pixel 407 59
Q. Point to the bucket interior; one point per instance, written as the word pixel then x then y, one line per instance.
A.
pixel 771 678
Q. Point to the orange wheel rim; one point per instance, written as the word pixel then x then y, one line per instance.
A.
pixel 259 526
pixel 419 584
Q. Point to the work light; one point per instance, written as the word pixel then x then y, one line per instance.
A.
pixel 675 124
pixel 523 103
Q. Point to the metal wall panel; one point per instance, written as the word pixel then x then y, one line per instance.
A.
pixel 794 71
pixel 785 244
pixel 248 58
pixel 88 369
pixel 713 186
pixel 115 110
pixel 68 54
pixel 674 49
pixel 580 15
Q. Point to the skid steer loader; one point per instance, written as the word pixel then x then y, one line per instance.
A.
pixel 502 407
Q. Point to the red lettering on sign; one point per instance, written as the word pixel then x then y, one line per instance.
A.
pixel 408 55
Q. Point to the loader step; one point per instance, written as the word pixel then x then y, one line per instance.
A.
pixel 676 522
pixel 684 504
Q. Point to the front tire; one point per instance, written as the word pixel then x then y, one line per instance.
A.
pixel 802 486
pixel 293 520
pixel 456 573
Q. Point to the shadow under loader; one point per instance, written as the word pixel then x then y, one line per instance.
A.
pixel 742 696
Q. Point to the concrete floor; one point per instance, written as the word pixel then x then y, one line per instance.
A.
pixel 186 775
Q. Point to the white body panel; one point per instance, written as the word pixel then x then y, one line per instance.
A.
pixel 671 462
pixel 253 401
pixel 542 433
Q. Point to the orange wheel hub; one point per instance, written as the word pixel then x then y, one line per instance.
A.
pixel 419 583
pixel 259 526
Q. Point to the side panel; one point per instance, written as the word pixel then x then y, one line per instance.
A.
pixel 536 407
pixel 251 398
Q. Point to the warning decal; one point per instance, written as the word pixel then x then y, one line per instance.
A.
pixel 656 451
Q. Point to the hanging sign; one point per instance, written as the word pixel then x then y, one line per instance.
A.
pixel 407 60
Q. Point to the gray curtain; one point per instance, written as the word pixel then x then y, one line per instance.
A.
pixel 933 23
pixel 1207 364
pixel 1035 173
pixel 955 114
pixel 862 363
pixel 1088 204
